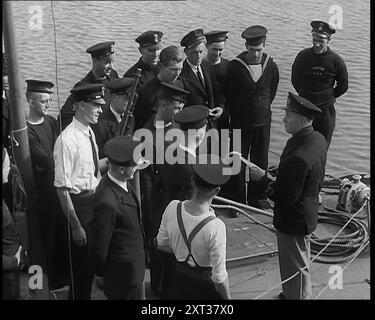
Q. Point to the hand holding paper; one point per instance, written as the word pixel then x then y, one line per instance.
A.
pixel 255 173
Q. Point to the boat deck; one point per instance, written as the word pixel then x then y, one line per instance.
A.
pixel 252 262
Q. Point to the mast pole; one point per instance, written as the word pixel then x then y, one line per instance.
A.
pixel 20 141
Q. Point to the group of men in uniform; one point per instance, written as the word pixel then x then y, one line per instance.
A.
pixel 90 168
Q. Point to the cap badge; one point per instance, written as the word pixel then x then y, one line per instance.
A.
pixel 155 37
pixel 102 93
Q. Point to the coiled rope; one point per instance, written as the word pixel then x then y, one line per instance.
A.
pixel 316 258
pixel 341 247
pixel 345 246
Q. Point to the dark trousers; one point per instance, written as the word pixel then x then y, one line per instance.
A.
pixel 82 270
pixel 54 234
pixel 191 283
pixel 256 141
pixel 124 280
pixel 83 274
pixel 146 177
pixel 325 122
pixel 11 285
pixel 161 268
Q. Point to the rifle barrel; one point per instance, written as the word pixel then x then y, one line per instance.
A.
pixel 128 114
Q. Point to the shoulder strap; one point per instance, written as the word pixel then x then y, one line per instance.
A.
pixel 193 233
pixel 181 225
pixel 198 227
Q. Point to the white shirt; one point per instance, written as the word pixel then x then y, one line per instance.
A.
pixel 208 247
pixel 122 184
pixel 187 149
pixel 74 163
pixel 159 124
pixel 116 114
pixel 195 69
pixel 255 71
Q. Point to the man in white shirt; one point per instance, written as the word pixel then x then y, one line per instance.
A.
pixel 77 173
pixel 175 180
pixel 191 230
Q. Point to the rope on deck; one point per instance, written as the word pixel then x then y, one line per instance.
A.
pixel 342 247
pixel 316 258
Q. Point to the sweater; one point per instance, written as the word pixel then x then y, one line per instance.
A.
pixel 320 78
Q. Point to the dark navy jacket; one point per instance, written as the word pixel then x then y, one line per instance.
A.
pixel 146 104
pixel 67 110
pixel 209 96
pixel 106 128
pixel 148 72
pixel 299 178
pixel 249 102
pixel 116 229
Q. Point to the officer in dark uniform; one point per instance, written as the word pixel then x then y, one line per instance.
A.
pixel 150 44
pixel 117 248
pixel 175 180
pixel 198 78
pixel 108 125
pixel 295 192
pixel 319 74
pixel 252 80
pixel 102 71
pixel 215 46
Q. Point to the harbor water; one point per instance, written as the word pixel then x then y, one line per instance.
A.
pixel 80 24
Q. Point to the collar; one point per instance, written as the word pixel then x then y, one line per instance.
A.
pixel 157 126
pixel 194 68
pixel 79 125
pixel 40 121
pixel 243 54
pixel 303 131
pixel 192 152
pixel 116 114
pixel 98 79
pixel 122 184
pixel 321 54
